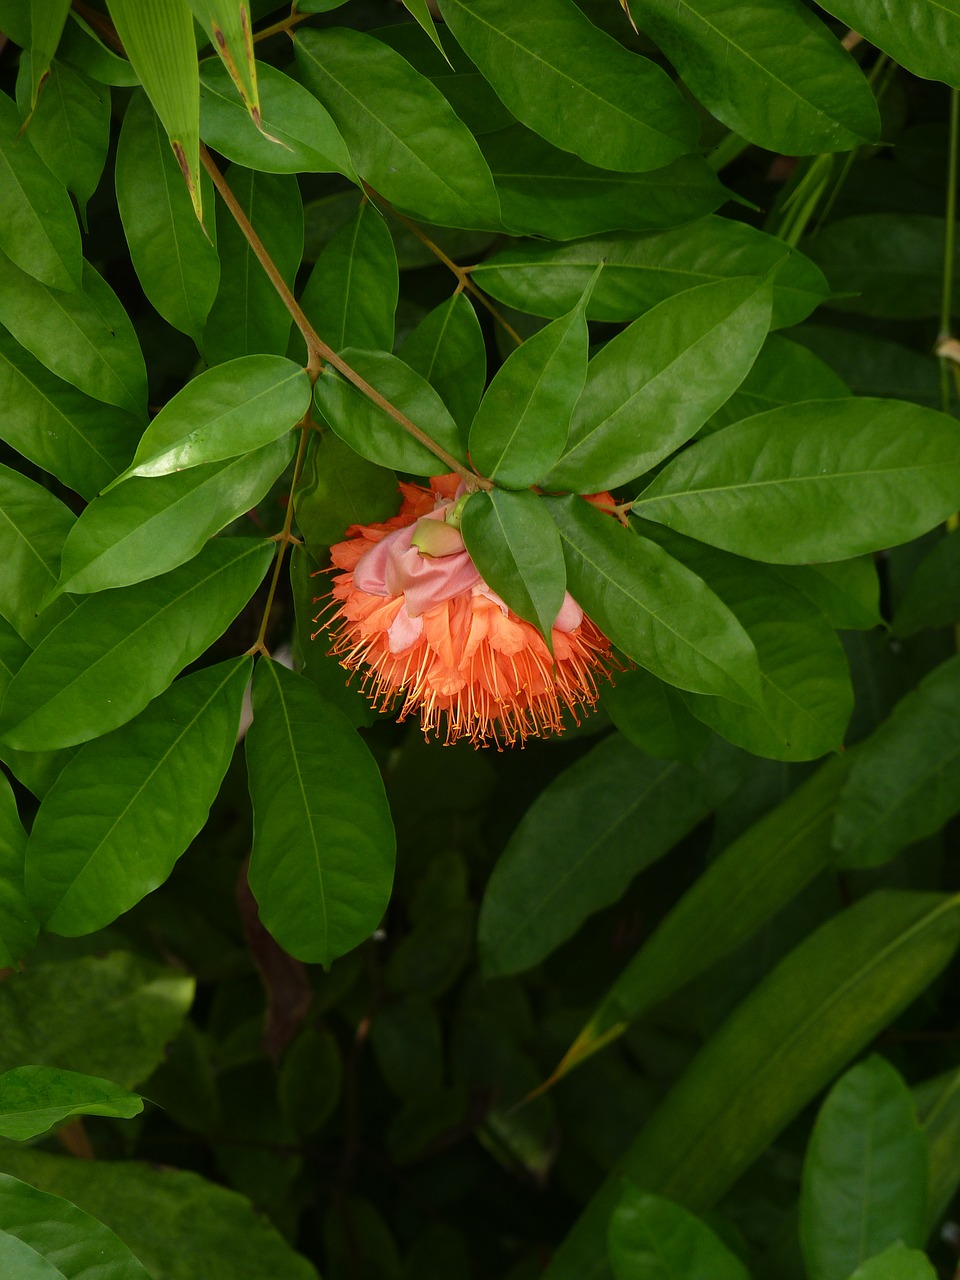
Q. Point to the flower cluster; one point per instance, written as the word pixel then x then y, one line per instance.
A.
pixel 410 611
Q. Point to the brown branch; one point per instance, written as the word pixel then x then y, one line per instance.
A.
pixel 284 25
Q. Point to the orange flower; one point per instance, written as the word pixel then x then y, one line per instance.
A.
pixel 428 630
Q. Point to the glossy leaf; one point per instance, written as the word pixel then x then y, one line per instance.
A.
pixel 34 1099
pixel 896 1263
pixel 373 433
pixel 226 411
pixel 921 37
pixel 574 85
pixel 654 385
pixel 351 295
pixel 339 488
pixel 447 349
pixel 38 228
pixel 651 1238
pixel 582 841
pixel 777 76
pixel 41 1233
pixel 147 786
pixel 403 136
pixel 747 884
pixel 297 134
pixel 117 651
pixel 174 257
pixel 657 611
pixel 865 1173
pixel 812 1013
pixel 653 716
pixel 323 847
pixel 248 317
pixel 146 527
pixel 905 782
pixel 18 927
pixel 641 269
pixel 932 597
pixel 548 192
pixel 515 546
pixel 825 480
pixel 86 337
pixel 33 526
pixel 523 419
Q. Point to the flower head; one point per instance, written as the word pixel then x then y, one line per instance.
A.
pixel 410 611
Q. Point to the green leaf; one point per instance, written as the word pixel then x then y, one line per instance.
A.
pixel 82 49
pixel 747 884
pixel 339 488
pixel 865 1173
pixel 69 127
pixel 825 480
pixel 653 716
pixel 118 650
pixel 109 1015
pixel 594 827
pixel 18 927
pixel 47 18
pixel 407 1039
pixel 351 295
pixel 403 136
pixel 147 786
pixel 657 611
pixel 373 433
pixel 419 10
pixel 905 782
pixel 34 1099
pixel 515 546
pixel 84 337
pixel 33 526
pixel 226 411
pixel 523 419
pixel 41 1234
pixel 248 316
pixel 654 385
pixel 872 366
pixel 641 269
pixel 776 76
pixel 217 1233
pixel 297 134
pixel 821 1004
pixel 573 84
pixel 891 264
pixel 932 597
pixel 847 592
pixel 146 527
pixel 651 1238
pixel 896 1263
pixel 940 1117
pixel 83 442
pixel 548 192
pixel 38 228
pixel 174 257
pixel 922 37
pixel 323 848
pixel 310 1080
pixel 447 348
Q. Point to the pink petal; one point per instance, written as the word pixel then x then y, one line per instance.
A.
pixel 570 615
pixel 404 632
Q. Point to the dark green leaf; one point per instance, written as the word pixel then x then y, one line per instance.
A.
pixel 38 228
pixel 174 257
pixel 146 527
pixel 825 480
pixel 373 433
pixel 248 316
pixel 447 349
pixel 777 76
pixel 47 19
pixel 515 546
pixel 865 1173
pixel 654 385
pixel 147 786
pixel 33 526
pixel 654 1239
pixel 640 270
pixel 896 1263
pixel 403 136
pixel 548 192
pixel 339 488
pixel 920 36
pixel 905 782
pixel 81 48
pixel 657 611
pixel 582 841
pixel 523 419
pixel 18 928
pixel 119 649
pixel 573 84
pixel 847 592
pixel 298 135
pixel 34 1099
pixel 932 597
pixel 323 848
pixel 85 338
pixel 69 127
pixel 226 411
pixel 653 716
pixel 872 366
